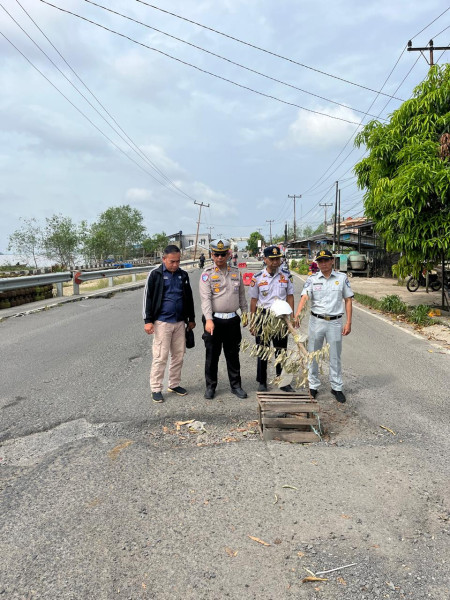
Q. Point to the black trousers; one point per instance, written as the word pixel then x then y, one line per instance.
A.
pixel 261 368
pixel 227 334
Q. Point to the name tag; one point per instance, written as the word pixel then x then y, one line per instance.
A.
pixel 317 287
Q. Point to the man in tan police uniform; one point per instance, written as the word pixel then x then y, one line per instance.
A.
pixel 222 293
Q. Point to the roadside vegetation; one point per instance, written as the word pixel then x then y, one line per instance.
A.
pixel 118 232
pixel 392 304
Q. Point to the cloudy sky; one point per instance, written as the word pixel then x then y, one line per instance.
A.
pixel 193 126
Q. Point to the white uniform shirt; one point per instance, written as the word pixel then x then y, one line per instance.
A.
pixel 327 295
pixel 266 288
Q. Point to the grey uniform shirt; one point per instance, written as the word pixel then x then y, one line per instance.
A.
pixel 266 288
pixel 327 295
pixel 222 291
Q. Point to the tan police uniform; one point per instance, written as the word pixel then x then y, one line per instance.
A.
pixel 222 294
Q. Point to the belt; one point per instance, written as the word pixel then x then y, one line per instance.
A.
pixel 326 317
pixel 224 315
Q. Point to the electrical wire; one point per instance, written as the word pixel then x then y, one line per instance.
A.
pixel 196 67
pixel 125 139
pixel 261 49
pixel 395 92
pixel 228 60
pixel 433 21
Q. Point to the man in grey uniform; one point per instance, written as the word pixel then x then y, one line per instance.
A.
pixel 222 293
pixel 328 291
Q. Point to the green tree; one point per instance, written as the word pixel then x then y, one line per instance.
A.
pixel 27 241
pixel 252 242
pixel 60 240
pixel 319 229
pixel 117 230
pixel 156 243
pixel 407 177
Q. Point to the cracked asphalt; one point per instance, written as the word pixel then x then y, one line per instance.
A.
pixel 105 496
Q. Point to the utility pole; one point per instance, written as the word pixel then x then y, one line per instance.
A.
pixel 295 226
pixel 335 216
pixel 270 221
pixel 325 220
pixel 210 229
pixel 339 221
pixel 200 204
pixel 430 48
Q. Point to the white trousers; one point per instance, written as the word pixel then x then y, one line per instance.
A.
pixel 320 331
pixel 168 337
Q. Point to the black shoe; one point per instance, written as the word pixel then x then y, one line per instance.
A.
pixel 313 393
pixel 209 393
pixel 157 397
pixel 287 388
pixel 262 387
pixel 239 392
pixel 178 390
pixel 339 396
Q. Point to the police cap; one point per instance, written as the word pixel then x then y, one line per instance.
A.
pixel 272 252
pixel 324 254
pixel 220 245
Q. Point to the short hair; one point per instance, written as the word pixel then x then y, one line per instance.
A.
pixel 171 249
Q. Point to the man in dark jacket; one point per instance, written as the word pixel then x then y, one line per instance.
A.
pixel 168 305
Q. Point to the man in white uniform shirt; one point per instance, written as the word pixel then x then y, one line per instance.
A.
pixel 273 282
pixel 329 291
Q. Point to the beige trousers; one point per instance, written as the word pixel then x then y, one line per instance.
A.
pixel 168 337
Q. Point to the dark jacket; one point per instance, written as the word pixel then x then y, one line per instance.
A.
pixel 153 296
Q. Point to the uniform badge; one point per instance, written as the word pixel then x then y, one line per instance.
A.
pixel 216 290
pixel 307 283
pixel 263 283
pixel 336 283
pixel 205 277
pixel 265 292
pixel 216 269
pixel 215 277
pixel 347 282
pixel 234 275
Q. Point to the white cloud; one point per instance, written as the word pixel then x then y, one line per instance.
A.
pixel 319 132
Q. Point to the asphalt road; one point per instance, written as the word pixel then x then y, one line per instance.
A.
pixel 102 496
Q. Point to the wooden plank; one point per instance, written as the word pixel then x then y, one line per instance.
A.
pixel 284 435
pixel 263 401
pixel 290 395
pixel 292 407
pixel 288 422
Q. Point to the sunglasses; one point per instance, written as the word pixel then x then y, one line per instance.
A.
pixel 220 253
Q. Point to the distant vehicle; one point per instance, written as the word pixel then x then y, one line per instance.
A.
pixel 122 265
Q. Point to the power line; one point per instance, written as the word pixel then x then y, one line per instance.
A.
pixel 125 139
pixel 433 21
pixel 241 66
pixel 198 68
pixel 262 49
pixel 398 87
pixel 79 110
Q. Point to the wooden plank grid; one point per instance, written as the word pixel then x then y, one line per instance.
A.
pixel 290 417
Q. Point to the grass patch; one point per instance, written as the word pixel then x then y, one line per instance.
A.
pixel 419 315
pixel 393 304
pixel 368 300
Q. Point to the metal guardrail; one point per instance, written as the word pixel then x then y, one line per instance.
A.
pixel 16 283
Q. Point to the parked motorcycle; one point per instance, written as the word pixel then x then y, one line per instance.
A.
pixel 413 284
